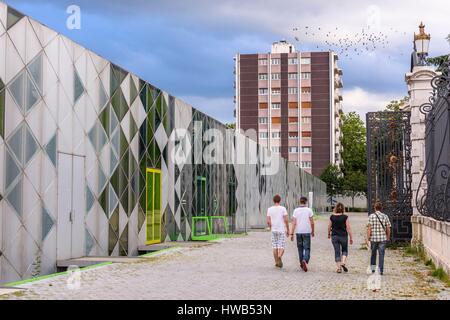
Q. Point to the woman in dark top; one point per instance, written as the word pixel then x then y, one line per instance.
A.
pixel 339 230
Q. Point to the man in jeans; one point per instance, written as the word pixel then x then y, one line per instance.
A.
pixel 303 226
pixel 277 220
pixel 378 233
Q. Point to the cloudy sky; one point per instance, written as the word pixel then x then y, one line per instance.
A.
pixel 186 47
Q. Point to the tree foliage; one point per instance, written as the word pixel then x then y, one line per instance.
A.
pixel 332 176
pixel 397 105
pixel 353 143
pixel 439 61
pixel 355 185
pixel 349 179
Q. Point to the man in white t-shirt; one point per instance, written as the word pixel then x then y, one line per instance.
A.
pixel 277 220
pixel 303 226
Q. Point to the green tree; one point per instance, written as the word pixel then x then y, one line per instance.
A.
pixel 353 143
pixel 230 125
pixel 355 185
pixel 332 176
pixel 354 157
pixel 396 105
pixel 439 61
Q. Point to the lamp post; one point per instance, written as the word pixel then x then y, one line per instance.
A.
pixel 421 43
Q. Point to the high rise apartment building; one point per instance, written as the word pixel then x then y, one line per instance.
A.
pixel 293 101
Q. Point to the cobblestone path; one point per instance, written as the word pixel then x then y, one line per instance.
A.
pixel 242 268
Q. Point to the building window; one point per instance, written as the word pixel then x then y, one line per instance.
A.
pixel 306 149
pixel 293 61
pixel 276 149
pixel 276 61
pixel 292 90
pixel 306 120
pixel 293 76
pixel 293 135
pixel 276 91
pixel 263 91
pixel 276 106
pixel 276 135
pixel 263 120
pixel 263 76
pixel 276 76
pixel 306 75
pixel 306 164
pixel 263 62
pixel 306 60
pixel 306 90
pixel 293 150
pixel 263 135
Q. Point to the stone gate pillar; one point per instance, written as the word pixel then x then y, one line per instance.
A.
pixel 419 90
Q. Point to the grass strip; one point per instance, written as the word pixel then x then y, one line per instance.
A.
pixel 52 275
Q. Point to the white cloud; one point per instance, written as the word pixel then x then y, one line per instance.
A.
pixel 220 108
pixel 363 101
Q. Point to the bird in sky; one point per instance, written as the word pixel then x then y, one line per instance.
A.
pixel 365 41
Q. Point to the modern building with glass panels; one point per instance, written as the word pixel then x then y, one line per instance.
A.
pixel 86 160
pixel 292 100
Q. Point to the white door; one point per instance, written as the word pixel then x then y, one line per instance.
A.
pixel 71 207
pixel 78 206
pixel 64 225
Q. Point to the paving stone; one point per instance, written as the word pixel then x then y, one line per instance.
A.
pixel 242 268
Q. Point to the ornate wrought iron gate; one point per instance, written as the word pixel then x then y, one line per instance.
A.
pixel 433 195
pixel 389 168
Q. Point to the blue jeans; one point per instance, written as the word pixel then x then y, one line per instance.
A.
pixel 380 247
pixel 304 246
pixel 340 245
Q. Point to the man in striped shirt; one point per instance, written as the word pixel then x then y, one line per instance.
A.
pixel 378 233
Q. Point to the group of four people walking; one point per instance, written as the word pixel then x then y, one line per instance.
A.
pixel 339 231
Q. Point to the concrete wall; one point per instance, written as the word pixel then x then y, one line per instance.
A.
pixel 434 235
pixel 360 202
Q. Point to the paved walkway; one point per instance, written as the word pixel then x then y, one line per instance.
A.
pixel 242 268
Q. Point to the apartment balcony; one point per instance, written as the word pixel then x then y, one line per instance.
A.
pixel 338 70
pixel 306 127
pixel 275 112
pixel 337 95
pixel 292 142
pixel 293 126
pixel 293 112
pixel 306 156
pixel 306 142
pixel 338 82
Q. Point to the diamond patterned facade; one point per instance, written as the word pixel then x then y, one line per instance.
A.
pixel 77 135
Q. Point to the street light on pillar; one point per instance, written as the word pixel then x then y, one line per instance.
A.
pixel 421 44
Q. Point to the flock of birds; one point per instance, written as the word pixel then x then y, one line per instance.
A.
pixel 346 44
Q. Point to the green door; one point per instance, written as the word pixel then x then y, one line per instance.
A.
pixel 153 206
pixel 201 224
pixel 201 196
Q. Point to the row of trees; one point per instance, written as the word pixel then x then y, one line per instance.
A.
pixel 349 179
